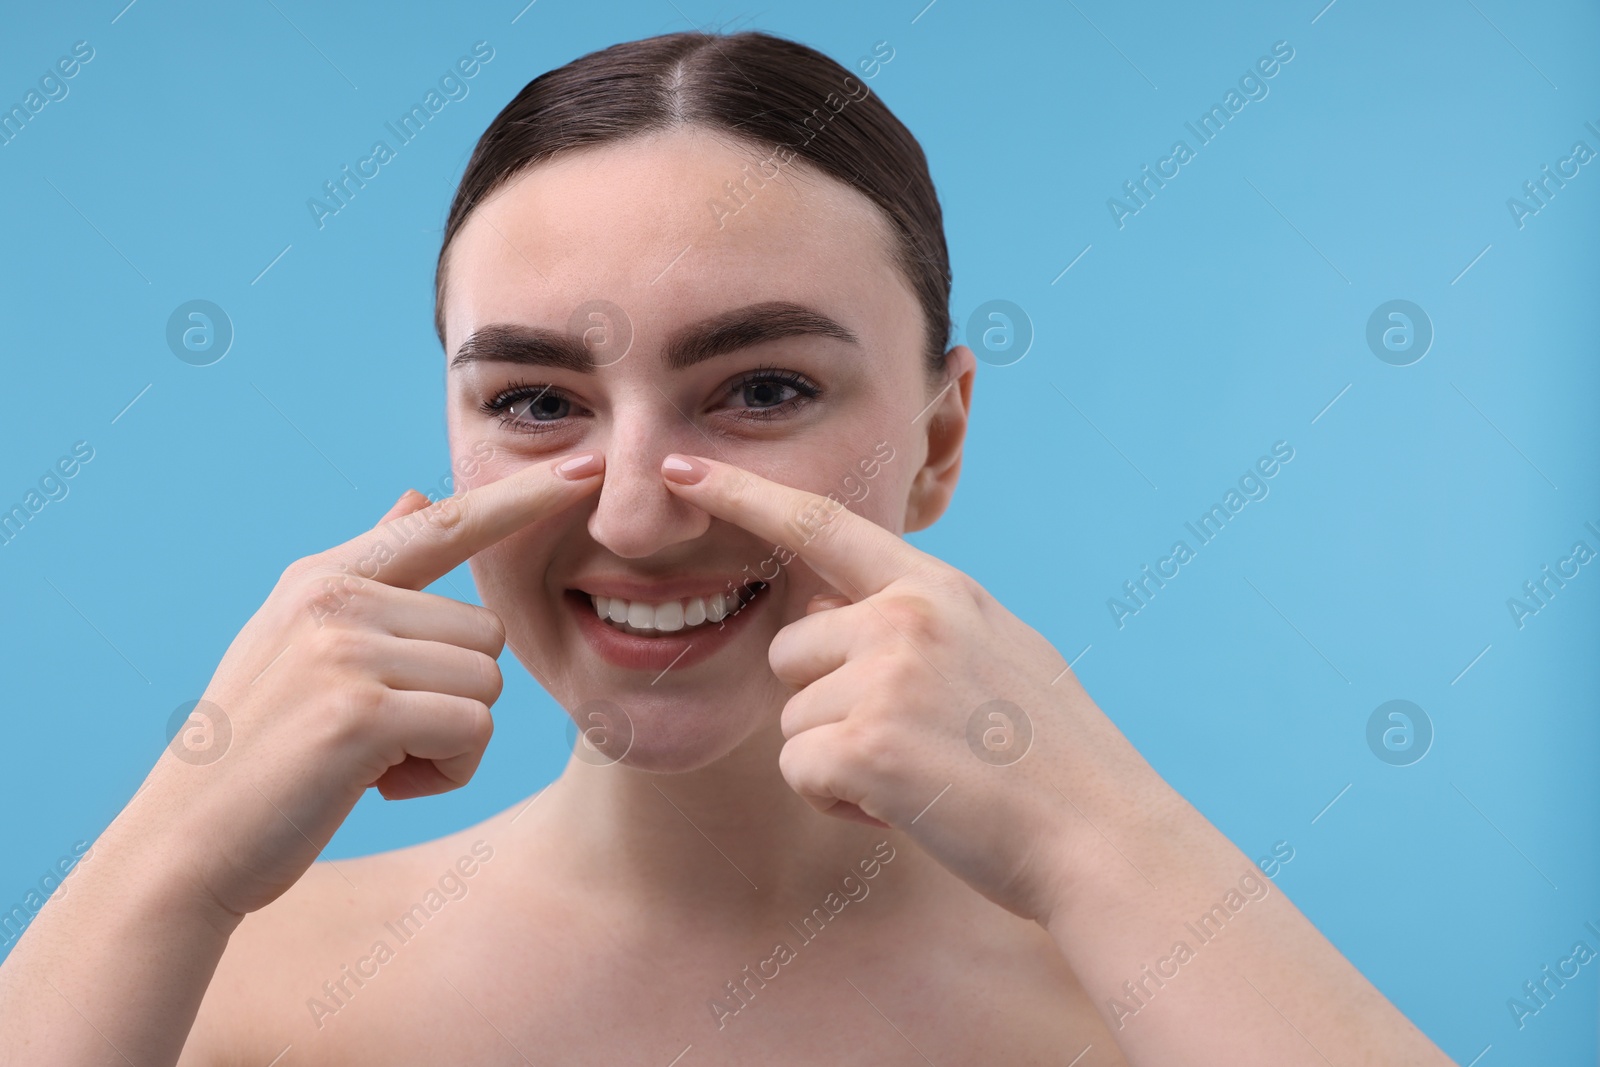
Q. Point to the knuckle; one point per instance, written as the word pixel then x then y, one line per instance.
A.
pixel 447 515
pixel 300 569
pixel 739 492
pixel 900 675
pixel 806 767
pixel 489 679
pixel 788 764
pixel 787 674
pixel 357 596
pixel 913 617
pixel 495 625
pixel 792 715
pixel 813 520
pixel 481 726
pixel 956 582
pixel 873 746
pixel 316 593
pixel 354 704
pixel 781 656
pixel 341 648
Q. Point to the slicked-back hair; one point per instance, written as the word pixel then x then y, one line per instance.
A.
pixel 787 101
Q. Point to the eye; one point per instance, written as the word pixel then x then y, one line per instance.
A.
pixel 521 405
pixel 771 392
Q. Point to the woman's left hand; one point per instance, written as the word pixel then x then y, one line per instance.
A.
pixel 922 703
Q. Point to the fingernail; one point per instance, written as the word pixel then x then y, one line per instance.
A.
pixel 826 602
pixel 685 470
pixel 582 465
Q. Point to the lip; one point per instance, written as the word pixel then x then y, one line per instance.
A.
pixel 678 651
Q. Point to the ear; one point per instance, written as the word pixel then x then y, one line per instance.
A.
pixel 946 426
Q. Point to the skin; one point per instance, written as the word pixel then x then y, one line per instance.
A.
pixel 829 733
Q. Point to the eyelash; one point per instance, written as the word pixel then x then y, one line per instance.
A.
pixel 499 406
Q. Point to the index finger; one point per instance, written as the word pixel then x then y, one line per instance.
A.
pixel 415 550
pixel 851 553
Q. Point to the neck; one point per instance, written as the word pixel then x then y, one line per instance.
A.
pixel 730 838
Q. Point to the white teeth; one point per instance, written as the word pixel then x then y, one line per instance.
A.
pixel 667 617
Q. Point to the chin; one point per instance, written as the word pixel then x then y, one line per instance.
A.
pixel 674 749
pixel 672 732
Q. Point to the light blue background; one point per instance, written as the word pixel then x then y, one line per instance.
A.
pixel 1223 317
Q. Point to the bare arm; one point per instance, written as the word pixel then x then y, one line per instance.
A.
pixel 921 703
pixel 1191 954
pixel 349 676
pixel 114 967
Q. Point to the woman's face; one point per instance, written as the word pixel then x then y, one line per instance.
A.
pixel 757 321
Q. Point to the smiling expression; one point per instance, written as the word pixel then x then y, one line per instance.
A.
pixel 784 340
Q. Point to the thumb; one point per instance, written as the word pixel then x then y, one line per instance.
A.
pixel 409 501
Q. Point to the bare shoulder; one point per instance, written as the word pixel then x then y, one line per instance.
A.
pixel 296 963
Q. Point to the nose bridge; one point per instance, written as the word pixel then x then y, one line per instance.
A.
pixel 637 515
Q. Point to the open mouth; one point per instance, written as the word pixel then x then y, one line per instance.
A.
pixel 681 617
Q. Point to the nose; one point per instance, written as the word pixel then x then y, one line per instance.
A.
pixel 637 515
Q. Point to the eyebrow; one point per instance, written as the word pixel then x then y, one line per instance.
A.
pixel 728 331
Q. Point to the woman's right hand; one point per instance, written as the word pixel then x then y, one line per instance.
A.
pixel 348 676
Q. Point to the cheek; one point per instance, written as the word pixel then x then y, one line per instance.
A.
pixel 881 499
pixel 516 563
pixel 854 473
pixel 510 573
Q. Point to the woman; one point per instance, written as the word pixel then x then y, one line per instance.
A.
pixel 694 293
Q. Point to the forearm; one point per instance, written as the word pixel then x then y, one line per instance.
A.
pixel 114 967
pixel 1193 955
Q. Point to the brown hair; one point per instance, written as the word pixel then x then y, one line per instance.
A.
pixel 769 92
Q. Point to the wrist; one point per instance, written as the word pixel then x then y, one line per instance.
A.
pixel 1117 827
pixel 1106 861
pixel 155 861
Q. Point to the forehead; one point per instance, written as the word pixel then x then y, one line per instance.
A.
pixel 669 227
